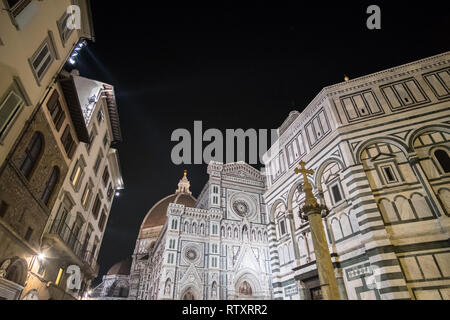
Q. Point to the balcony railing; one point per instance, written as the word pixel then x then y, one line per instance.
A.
pixel 70 239
pixel 67 236
pixel 89 259
pixel 17 6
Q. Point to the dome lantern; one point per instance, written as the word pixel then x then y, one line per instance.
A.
pixel 184 185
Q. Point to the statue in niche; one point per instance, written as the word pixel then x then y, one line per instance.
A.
pixel 245 233
pixel 167 287
pixel 214 290
pixel 188 296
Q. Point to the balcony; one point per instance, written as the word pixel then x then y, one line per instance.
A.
pixel 62 239
pixel 90 262
pixel 17 6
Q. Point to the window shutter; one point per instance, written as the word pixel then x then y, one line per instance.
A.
pixel 51 103
pixel 72 149
pixel 8 110
pixel 60 121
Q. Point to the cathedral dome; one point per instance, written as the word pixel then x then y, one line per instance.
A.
pixel 157 215
pixel 123 268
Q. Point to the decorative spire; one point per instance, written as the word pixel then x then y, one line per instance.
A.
pixel 184 184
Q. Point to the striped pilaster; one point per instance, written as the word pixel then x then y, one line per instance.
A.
pixel 388 276
pixel 274 260
pixel 390 281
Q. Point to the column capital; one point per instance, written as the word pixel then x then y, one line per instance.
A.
pixel 413 158
pixel 310 210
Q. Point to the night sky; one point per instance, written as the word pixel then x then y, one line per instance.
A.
pixel 231 68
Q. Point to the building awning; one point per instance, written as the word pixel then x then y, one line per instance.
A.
pixel 73 103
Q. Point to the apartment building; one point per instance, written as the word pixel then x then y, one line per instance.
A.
pixel 75 228
pixel 39 133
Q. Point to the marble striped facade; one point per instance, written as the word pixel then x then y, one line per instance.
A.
pixel 378 145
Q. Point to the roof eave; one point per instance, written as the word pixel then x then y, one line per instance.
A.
pixel 76 113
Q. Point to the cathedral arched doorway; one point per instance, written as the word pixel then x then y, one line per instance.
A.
pixel 188 295
pixel 245 289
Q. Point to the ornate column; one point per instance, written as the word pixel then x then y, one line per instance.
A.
pixel 313 212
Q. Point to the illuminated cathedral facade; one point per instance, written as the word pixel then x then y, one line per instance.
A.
pixel 217 248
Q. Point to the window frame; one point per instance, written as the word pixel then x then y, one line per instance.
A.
pixel 214 262
pixel 106 140
pixel 50 190
pixel 96 209
pixel 331 185
pixel 12 115
pixel 62 28
pixel 438 163
pixel 92 136
pixel 79 164
pixel 105 176
pixel 214 229
pixel 16 10
pixel 35 160
pixel 102 220
pixel 98 162
pixel 392 164
pixel 47 42
pixel 89 186
pixel 54 103
pixel 282 226
pixel 100 116
pixel 69 145
pixel 109 192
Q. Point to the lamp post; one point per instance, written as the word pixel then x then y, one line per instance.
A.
pixel 313 212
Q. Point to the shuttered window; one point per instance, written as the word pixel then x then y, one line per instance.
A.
pixel 67 141
pixel 32 153
pixel 96 207
pixel 42 59
pixel 55 109
pixel 50 185
pixel 17 6
pixel 9 109
pixel 102 221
